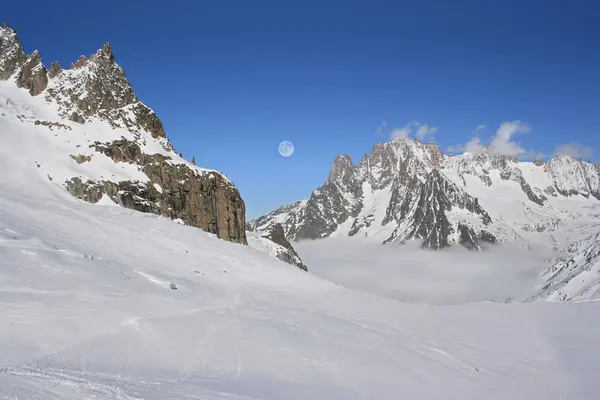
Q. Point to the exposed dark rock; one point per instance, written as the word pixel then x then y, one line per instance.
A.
pixel 148 120
pixel 54 70
pixel 419 209
pixel 77 117
pixel 486 180
pixel 551 190
pixel 277 235
pixel 539 162
pixel 204 200
pixel 81 62
pixel 525 187
pixel 467 237
pixel 33 75
pixel 360 223
pixel 52 124
pixel 80 158
pixel 487 237
pixel 505 174
pixel 12 56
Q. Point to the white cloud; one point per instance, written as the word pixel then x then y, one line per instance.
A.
pixel 502 142
pixel 474 145
pixel 422 131
pixel 382 128
pixel 425 130
pixel 401 133
pixel 574 150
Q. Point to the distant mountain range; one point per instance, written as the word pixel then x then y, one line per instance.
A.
pixel 408 190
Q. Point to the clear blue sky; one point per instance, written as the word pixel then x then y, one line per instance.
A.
pixel 231 79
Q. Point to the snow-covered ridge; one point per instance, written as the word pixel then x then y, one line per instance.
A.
pixel 85 129
pixel 576 277
pixel 373 198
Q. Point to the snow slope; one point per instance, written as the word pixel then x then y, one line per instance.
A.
pixel 88 309
pixel 576 277
pixel 98 301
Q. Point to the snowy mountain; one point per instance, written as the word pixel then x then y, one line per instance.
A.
pixel 576 277
pixel 96 138
pixel 85 129
pixel 405 190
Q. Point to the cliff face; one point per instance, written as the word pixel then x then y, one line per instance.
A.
pixel 95 91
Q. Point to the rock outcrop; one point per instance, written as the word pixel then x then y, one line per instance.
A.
pixel 33 75
pixel 12 56
pixel 97 89
pixel 204 200
pixel 276 235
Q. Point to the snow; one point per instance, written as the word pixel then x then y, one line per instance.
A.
pixel 88 311
pixel 105 200
pixel 89 307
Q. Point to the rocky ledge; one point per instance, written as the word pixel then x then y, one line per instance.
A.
pixel 206 200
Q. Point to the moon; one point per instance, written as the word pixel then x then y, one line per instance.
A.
pixel 286 148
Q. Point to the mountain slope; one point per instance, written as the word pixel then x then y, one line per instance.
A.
pixel 405 190
pixel 86 130
pixel 104 302
pixel 575 277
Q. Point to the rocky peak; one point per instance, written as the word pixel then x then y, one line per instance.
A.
pixel 573 176
pixel 92 85
pixel 401 157
pixel 106 51
pixel 342 170
pixel 419 209
pixel 12 55
pixel 54 70
pixel 80 63
pixel 33 75
pixel 96 88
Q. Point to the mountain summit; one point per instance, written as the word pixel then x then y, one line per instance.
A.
pixel 89 133
pixel 408 190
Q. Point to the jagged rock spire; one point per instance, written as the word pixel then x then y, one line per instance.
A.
pixel 342 169
pixel 12 55
pixel 107 52
pixel 33 75
pixel 54 70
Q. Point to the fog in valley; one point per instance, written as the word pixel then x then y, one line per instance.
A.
pixel 410 274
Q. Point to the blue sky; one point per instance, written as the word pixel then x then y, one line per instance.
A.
pixel 231 79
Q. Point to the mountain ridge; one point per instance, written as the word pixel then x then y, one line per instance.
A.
pixel 419 188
